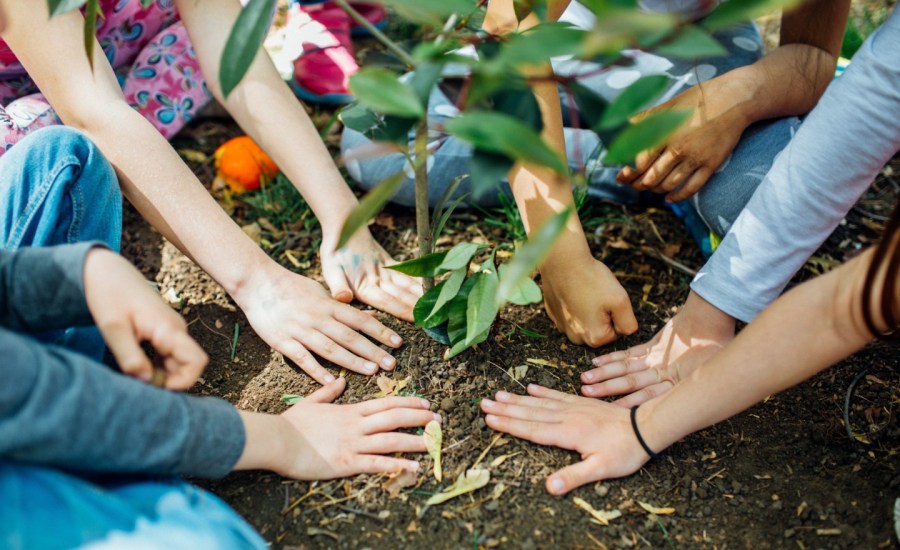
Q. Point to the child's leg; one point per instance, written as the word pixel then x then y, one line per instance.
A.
pixel 45 508
pixel 165 84
pixel 56 188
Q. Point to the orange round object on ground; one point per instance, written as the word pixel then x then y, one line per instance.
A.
pixel 241 164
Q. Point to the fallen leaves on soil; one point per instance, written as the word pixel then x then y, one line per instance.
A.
pixel 389 386
pixel 472 480
pixel 434 438
pixel 654 510
pixel 399 481
pixel 603 517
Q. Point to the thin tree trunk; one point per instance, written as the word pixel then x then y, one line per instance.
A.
pixel 423 224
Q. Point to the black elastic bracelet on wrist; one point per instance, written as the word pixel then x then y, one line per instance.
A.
pixel 637 434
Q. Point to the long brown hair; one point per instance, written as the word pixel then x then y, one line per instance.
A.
pixel 887 256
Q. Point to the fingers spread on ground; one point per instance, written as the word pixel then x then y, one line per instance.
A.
pixel 537 432
pixel 642 396
pixel 628 383
pixel 393 443
pixel 521 412
pixel 393 419
pixel 376 464
pixel 304 359
pixel 614 370
pixel 328 349
pixel 359 345
pixel 635 351
pixel 367 324
pixel 574 476
pixel 373 406
pixel 527 400
pixel 541 391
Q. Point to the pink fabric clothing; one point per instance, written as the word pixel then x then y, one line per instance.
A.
pixel 153 59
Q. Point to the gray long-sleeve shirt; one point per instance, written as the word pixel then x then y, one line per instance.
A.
pixel 61 409
pixel 813 183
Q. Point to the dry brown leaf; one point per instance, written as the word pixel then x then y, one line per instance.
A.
pixel 502 458
pixel 472 480
pixel 389 386
pixel 518 373
pixel 499 489
pixel 385 220
pixel 398 481
pixel 603 517
pixel 541 362
pixel 654 510
pixel 193 155
pixel 434 438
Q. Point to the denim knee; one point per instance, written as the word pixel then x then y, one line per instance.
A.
pixel 56 187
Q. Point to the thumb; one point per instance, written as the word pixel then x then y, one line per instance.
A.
pixel 623 317
pixel 337 284
pixel 574 476
pixel 125 348
pixel 329 392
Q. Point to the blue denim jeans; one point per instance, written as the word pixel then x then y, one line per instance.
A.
pixel 47 509
pixel 57 188
pixel 719 201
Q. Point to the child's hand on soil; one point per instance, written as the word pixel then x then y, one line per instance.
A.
pixel 359 270
pixel 642 372
pixel 321 440
pixel 586 302
pixel 599 431
pixel 296 316
pixel 127 312
pixel 689 157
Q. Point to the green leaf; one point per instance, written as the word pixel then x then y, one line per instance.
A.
pixel 381 91
pixel 590 105
pixel 737 11
pixel 531 333
pixel 423 80
pixel 528 292
pixel 426 266
pixel 58 7
pixel 430 12
pixel 502 134
pixel 393 129
pixel 147 3
pixel 644 135
pixel 633 99
pixel 91 13
pixel 291 398
pixel 424 308
pixel 481 309
pixel 449 289
pixel 692 43
pixel 488 170
pixel 370 205
pixel 617 28
pixel 530 255
pixel 442 215
pixel 357 117
pixel 243 43
pixel 540 43
pixel 521 105
pixel 456 318
pixel 459 256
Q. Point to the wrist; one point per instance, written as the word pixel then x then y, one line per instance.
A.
pixel 265 447
pixel 706 318
pixel 569 253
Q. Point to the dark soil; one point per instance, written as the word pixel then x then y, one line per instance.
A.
pixel 782 474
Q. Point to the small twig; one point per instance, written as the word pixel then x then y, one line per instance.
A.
pixel 678 266
pixel 297 502
pixel 360 512
pixel 847 399
pixel 485 451
pixel 715 475
pixel 508 374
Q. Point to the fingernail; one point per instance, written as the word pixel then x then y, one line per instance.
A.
pixel 587 377
pixel 370 367
pixel 329 378
pixel 437 417
pixel 413 465
pixel 490 418
pixel 387 362
pixel 557 485
pixel 487 403
pixel 587 390
pixel 595 361
pixel 396 340
pixel 426 404
pixel 502 396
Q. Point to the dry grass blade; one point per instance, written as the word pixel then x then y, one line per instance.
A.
pixel 603 517
pixel 654 510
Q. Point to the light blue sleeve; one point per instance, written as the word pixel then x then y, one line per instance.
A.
pixel 813 183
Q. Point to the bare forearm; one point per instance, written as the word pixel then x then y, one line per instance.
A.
pixel 266 109
pixel 802 333
pixel 171 198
